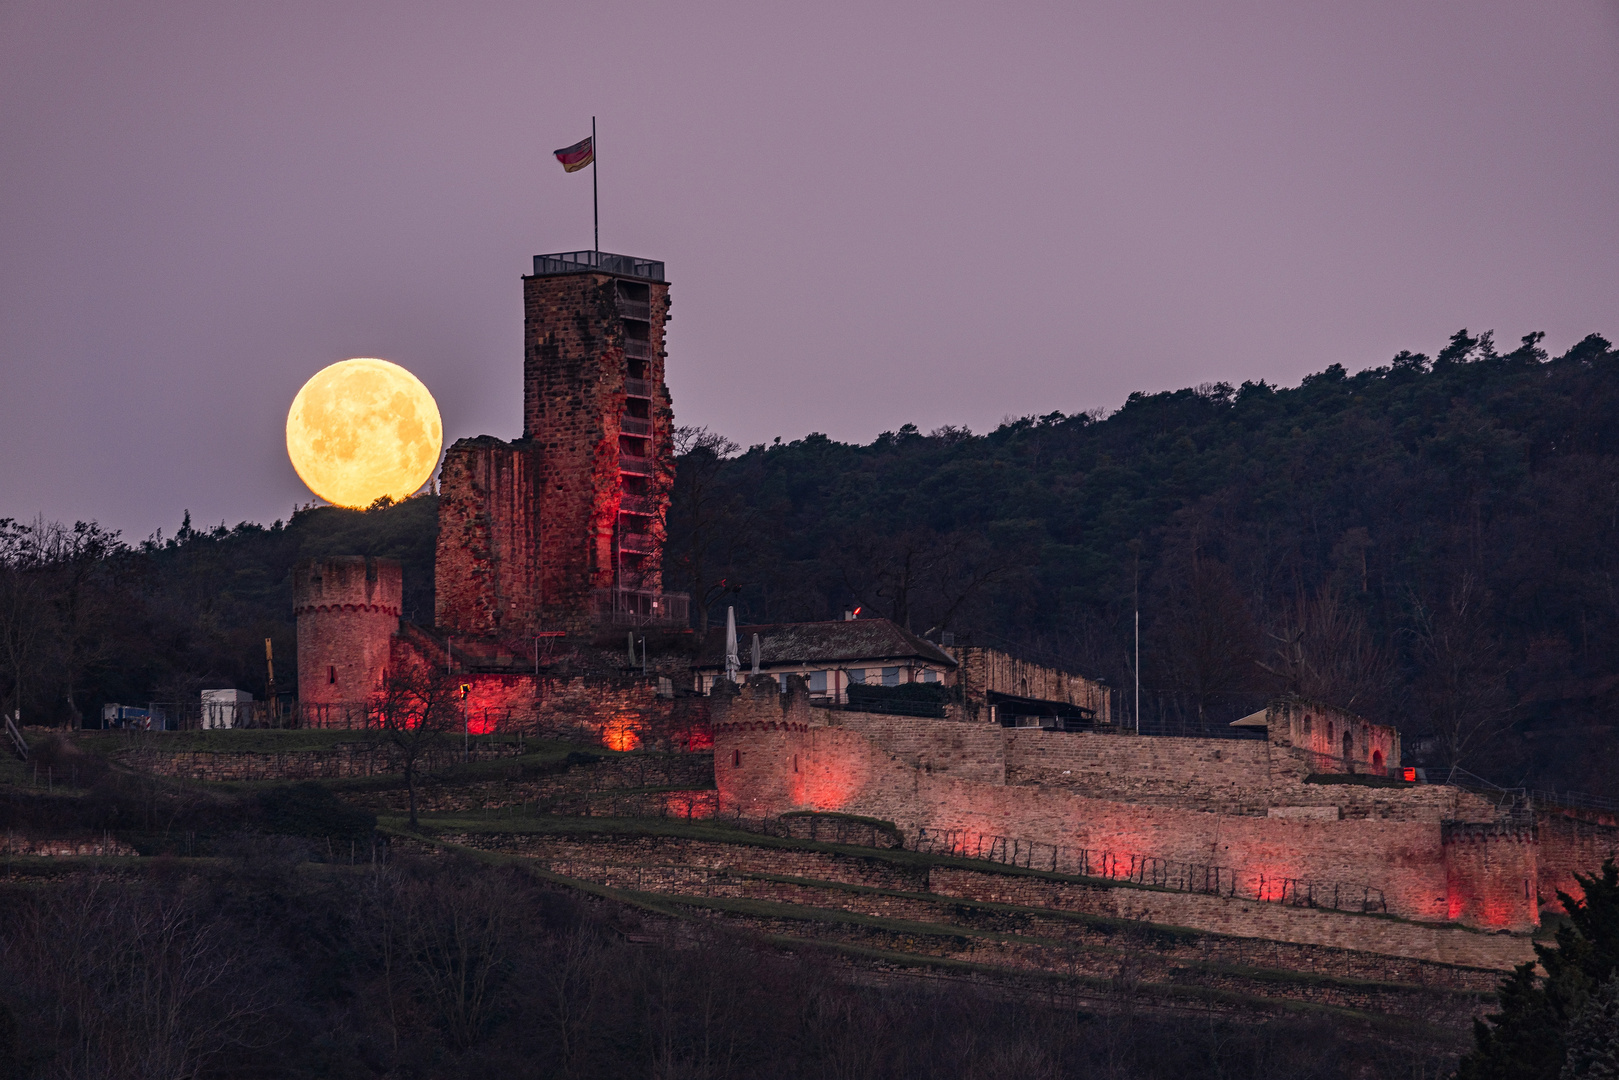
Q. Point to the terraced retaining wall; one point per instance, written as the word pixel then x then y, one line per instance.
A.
pixel 346 760
pixel 771 757
pixel 1360 945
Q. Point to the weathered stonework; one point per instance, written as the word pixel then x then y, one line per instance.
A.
pixel 1192 802
pixel 487 577
pixel 593 414
pixel 983 672
pixel 1327 942
pixel 347 609
pixel 530 530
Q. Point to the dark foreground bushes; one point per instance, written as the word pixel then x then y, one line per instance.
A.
pixel 269 967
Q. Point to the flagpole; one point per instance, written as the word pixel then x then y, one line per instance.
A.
pixel 595 205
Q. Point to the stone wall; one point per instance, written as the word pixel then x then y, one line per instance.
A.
pixel 347 608
pixel 488 557
pixel 1571 841
pixel 1358 946
pixel 769 760
pixel 968 751
pixel 1330 740
pixel 64 847
pixel 623 712
pixel 985 671
pixel 1219 775
pixel 574 400
pixel 650 785
pixel 343 761
pixel 1490 874
pixel 1247 918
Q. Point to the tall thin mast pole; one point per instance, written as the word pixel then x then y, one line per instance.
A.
pixel 595 205
pixel 1136 596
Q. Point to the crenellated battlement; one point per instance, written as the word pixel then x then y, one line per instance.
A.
pixel 348 583
pixel 347 608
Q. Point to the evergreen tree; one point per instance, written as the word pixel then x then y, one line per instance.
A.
pixel 1593 1039
pixel 1542 1021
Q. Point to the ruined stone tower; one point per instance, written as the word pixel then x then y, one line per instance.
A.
pixel 347 609
pixel 564 527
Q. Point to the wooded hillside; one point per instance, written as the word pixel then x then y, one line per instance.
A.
pixel 1431 542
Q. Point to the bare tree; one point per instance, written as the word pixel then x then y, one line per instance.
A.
pixel 710 526
pixel 919 573
pixel 1462 686
pixel 444 944
pixel 79 561
pixel 570 993
pixel 25 629
pixel 1325 652
pixel 413 710
pixel 1207 645
pixel 56 609
pixel 140 983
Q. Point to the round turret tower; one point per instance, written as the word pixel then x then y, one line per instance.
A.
pixel 347 608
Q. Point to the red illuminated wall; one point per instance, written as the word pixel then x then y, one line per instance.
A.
pixel 574 405
pixel 487 573
pixel 762 751
pixel 1572 841
pixel 843 768
pixel 1320 730
pixel 347 610
pixel 1490 875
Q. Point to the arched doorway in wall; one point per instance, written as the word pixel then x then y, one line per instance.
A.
pixel 1377 759
pixel 1349 746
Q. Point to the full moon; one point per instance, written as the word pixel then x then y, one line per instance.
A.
pixel 361 429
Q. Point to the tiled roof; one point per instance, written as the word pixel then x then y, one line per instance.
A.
pixel 842 642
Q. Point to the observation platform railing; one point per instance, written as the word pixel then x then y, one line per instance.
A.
pixel 584 262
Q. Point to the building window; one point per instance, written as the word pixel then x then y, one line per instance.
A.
pixel 736 759
pixel 890 676
pixel 781 680
pixel 795 763
pixel 929 675
pixel 817 682
pixel 331 675
pixel 857 675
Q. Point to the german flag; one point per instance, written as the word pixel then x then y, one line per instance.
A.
pixel 578 155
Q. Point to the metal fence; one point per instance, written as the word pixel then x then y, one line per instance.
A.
pixel 1179 714
pixel 1523 799
pixel 199 715
pixel 1140 869
pixel 642 607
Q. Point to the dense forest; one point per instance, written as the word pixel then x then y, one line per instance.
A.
pixel 1431 542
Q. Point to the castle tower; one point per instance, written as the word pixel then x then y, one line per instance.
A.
pixel 347 609
pixel 487 563
pixel 597 412
pixel 564 528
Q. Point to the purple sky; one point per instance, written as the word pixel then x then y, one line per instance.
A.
pixel 871 214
